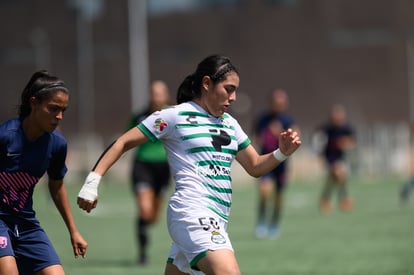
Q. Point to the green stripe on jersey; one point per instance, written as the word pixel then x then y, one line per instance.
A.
pixel 201 135
pixel 211 149
pixel 213 162
pixel 212 125
pixel 218 177
pixel 147 132
pixel 219 201
pixel 225 217
pixel 219 189
pixel 191 113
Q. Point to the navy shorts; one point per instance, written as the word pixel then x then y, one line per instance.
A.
pixel 278 177
pixel 28 243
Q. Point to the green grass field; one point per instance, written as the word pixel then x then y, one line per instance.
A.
pixel 376 238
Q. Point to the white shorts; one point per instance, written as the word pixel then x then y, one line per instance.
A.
pixel 194 231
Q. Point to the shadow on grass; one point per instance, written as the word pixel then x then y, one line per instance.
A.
pixel 105 263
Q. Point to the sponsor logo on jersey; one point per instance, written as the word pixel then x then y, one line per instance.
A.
pixel 217 238
pixel 160 125
pixel 3 242
pixel 192 119
pixel 212 171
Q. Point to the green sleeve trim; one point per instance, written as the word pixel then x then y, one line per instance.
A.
pixel 244 144
pixel 147 132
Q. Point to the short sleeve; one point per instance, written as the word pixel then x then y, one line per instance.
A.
pixel 159 124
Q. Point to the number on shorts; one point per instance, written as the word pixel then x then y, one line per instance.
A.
pixel 208 222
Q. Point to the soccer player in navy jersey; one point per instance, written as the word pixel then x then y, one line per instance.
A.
pixel 30 146
pixel 271 186
pixel 340 137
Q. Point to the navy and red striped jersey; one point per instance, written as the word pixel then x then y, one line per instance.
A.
pixel 24 162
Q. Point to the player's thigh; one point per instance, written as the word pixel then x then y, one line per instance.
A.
pixel 339 170
pixel 35 251
pixel 157 207
pixel 8 266
pixel 266 185
pixel 8 263
pixel 171 269
pixel 218 262
pixel 51 270
pixel 145 201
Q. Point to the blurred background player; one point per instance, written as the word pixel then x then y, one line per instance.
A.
pixel 406 190
pixel 339 137
pixel 30 145
pixel 271 185
pixel 408 186
pixel 150 171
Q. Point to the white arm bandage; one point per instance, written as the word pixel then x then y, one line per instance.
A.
pixel 279 155
pixel 89 190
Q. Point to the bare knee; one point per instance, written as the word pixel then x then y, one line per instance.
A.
pixel 51 270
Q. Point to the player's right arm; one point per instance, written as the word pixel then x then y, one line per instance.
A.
pixel 257 165
pixel 88 195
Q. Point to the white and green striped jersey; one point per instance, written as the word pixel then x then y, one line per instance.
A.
pixel 200 149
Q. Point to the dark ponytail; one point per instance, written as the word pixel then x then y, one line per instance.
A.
pixel 215 66
pixel 42 86
pixel 185 90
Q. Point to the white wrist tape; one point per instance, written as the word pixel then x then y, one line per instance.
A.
pixel 279 155
pixel 89 190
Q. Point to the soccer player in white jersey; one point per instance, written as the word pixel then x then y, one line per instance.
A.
pixel 201 140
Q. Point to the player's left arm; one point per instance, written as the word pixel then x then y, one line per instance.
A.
pixel 59 195
pixel 347 143
pixel 348 140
